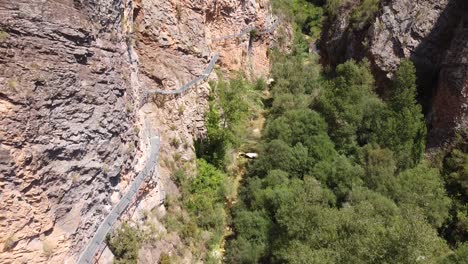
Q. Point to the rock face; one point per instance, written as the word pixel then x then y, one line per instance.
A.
pixel 450 103
pixel 174 41
pixel 66 124
pixel 72 130
pixel 432 33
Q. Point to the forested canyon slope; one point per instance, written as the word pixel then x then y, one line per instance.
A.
pixel 433 34
pixel 357 108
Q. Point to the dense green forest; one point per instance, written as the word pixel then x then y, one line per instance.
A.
pixel 342 176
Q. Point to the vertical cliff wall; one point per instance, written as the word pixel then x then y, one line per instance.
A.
pixel 72 123
pixel 66 124
pixel 450 98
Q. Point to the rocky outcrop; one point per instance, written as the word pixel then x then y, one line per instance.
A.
pixel 419 30
pixel 450 103
pixel 66 124
pixel 429 32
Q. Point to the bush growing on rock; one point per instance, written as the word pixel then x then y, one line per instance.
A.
pixel 124 243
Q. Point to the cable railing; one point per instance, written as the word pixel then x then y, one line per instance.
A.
pixel 249 29
pixel 95 243
pixel 206 73
pixel 271 28
pixel 193 82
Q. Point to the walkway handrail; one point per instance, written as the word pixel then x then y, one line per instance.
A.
pixel 213 61
pixel 193 82
pixel 271 28
pixel 100 235
pixel 238 35
pixel 249 29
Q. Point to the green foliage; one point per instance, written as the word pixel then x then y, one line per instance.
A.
pixel 346 102
pixel 371 229
pixel 364 13
pixel 260 84
pixel 342 183
pixel 332 7
pixel 339 178
pixel 9 243
pixel 124 243
pixel 3 35
pixel 455 174
pixel 305 127
pixel 380 169
pixel 306 15
pixel 252 244
pixel 204 197
pixel 207 196
pixel 339 175
pixel 403 93
pixel 232 104
pixel 214 147
pixel 287 102
pixel 422 187
pixel 458 257
pixel 278 155
pixel 401 126
pixel 179 177
pixel 293 76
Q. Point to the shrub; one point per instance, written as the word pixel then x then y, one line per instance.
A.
pixel 165 259
pixel 362 15
pixel 177 156
pixel 3 35
pixel 48 248
pixel 231 105
pixel 9 243
pixel 181 109
pixel 175 142
pixel 260 84
pixel 13 84
pixel 306 14
pixel 333 7
pixel 179 177
pixel 124 243
pixel 459 256
pixel 253 33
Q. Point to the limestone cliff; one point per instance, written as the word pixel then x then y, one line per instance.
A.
pixel 174 41
pixel 72 75
pixel 66 124
pixel 432 33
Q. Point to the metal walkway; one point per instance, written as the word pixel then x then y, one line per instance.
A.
pixel 212 63
pixel 193 82
pixel 95 243
pixel 249 29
